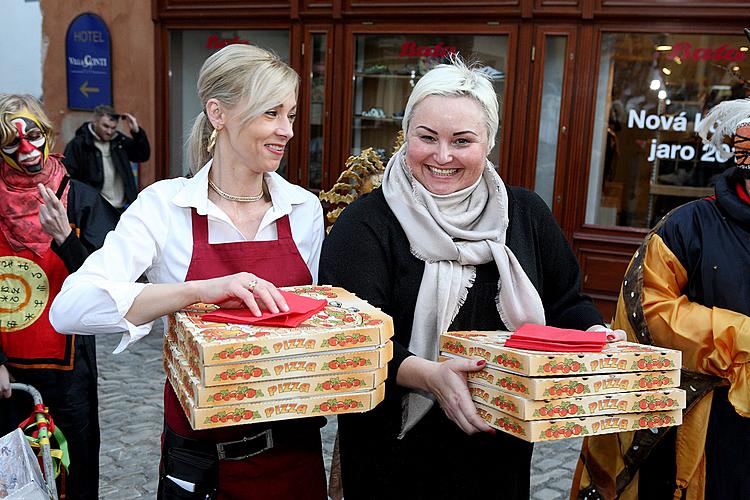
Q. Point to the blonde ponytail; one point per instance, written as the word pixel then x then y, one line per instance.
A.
pixel 197 145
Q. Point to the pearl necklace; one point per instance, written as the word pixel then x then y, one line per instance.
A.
pixel 231 197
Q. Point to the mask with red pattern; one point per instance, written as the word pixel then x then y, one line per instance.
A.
pixel 729 119
pixel 28 151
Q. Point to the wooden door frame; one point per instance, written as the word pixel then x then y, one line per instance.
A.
pixel 304 104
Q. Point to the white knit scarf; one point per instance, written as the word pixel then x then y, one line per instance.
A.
pixel 452 234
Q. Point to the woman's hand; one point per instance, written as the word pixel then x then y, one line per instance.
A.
pixel 242 290
pixel 53 216
pixel 447 381
pixel 4 382
pixel 612 335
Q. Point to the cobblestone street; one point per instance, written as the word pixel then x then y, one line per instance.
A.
pixel 130 409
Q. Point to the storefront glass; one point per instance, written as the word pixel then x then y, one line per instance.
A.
pixel 653 91
pixel 188 49
pixel 549 117
pixel 386 67
pixel 317 110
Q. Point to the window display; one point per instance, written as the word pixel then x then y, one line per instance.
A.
pixel 653 91
pixel 386 67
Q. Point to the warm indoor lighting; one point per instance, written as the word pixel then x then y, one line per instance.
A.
pixel 662 94
pixel 735 68
pixel 663 48
pixel 743 49
pixel 655 84
pixel 666 71
pixel 677 60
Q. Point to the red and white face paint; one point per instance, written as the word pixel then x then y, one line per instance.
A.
pixel 28 151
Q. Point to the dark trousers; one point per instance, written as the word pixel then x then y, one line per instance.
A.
pixel 435 460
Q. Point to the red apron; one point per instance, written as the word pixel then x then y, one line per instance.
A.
pixel 287 471
pixel 28 283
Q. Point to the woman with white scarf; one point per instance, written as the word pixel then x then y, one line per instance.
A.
pixel 444 245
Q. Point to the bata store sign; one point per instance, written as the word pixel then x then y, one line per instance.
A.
pixel 410 48
pixel 686 51
pixel 216 42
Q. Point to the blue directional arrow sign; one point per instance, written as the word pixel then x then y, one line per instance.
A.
pixel 88 62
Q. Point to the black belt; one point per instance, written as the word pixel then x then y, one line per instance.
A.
pixel 239 449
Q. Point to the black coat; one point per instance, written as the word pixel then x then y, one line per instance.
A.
pixel 84 161
pixel 367 252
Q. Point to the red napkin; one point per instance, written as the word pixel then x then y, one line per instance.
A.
pixel 300 309
pixel 549 338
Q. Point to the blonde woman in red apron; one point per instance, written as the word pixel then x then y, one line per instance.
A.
pixel 228 235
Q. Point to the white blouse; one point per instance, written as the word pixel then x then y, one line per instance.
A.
pixel 154 236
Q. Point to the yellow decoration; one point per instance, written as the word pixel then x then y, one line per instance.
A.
pixel 24 293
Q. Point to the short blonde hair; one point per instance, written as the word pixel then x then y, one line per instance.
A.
pixel 11 104
pixel 239 75
pixel 457 80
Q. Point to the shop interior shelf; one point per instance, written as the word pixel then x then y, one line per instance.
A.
pixel 377 119
pixel 386 75
pixel 687 191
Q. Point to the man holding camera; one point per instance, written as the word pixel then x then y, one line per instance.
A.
pixel 100 156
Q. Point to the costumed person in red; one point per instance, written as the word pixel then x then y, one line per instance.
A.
pixel 228 235
pixel 686 289
pixel 48 228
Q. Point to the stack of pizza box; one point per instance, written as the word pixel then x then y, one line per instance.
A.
pixel 229 374
pixel 543 396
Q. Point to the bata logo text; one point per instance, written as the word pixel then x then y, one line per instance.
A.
pixel 685 50
pixel 411 49
pixel 214 42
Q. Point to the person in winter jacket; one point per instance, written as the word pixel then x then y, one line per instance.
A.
pixel 100 156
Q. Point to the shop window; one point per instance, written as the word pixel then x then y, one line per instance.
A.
pixel 653 90
pixel 386 68
pixel 549 117
pixel 317 110
pixel 188 49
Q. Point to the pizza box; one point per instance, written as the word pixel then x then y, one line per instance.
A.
pixel 262 369
pixel 551 430
pixel 543 388
pixel 253 391
pixel 346 322
pixel 616 357
pixel 600 404
pixel 268 411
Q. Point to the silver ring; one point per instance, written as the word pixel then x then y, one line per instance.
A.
pixel 251 286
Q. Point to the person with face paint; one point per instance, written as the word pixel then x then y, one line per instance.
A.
pixel 100 156
pixel 686 289
pixel 48 225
